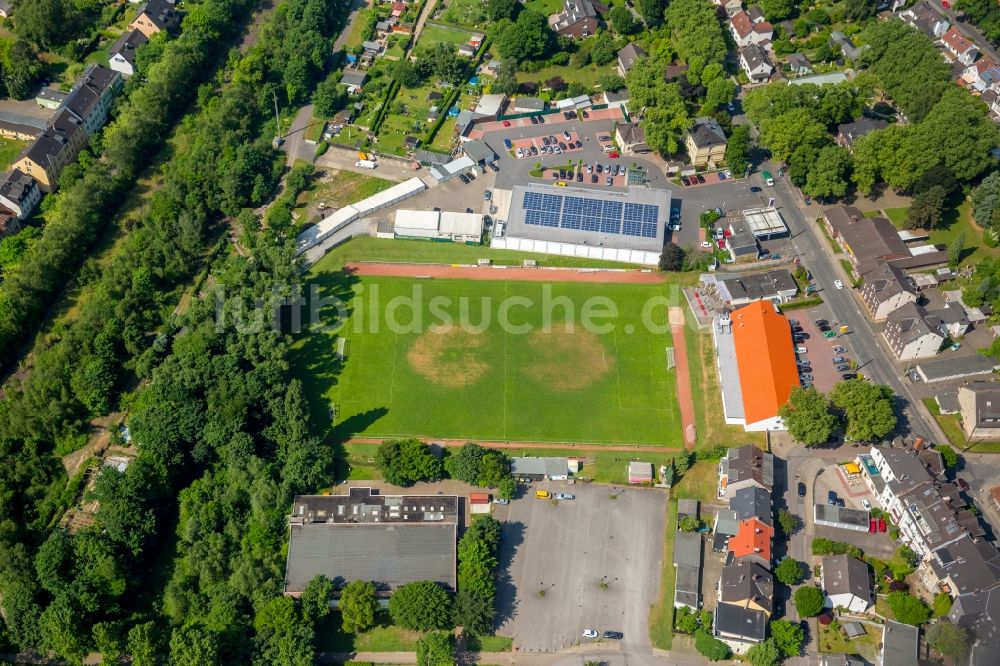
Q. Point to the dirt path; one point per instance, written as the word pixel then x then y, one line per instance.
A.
pixel 526 445
pixel 684 395
pixel 419 28
pixel 498 273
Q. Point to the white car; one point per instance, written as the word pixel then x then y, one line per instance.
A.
pixel 565 496
pixel 706 245
pixel 590 633
pixel 520 153
pixel 868 505
pixel 838 284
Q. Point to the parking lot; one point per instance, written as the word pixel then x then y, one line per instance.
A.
pixel 558 554
pixel 821 371
pixel 852 492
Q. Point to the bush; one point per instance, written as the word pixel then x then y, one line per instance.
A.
pixel 357 606
pixel 710 647
pixel 908 609
pixel 831 547
pixel 436 649
pixel 942 604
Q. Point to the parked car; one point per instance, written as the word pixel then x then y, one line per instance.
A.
pixel 831 497
pixel 599 168
pixel 881 524
pixel 614 635
pixel 839 359
pixel 506 123
pixel 593 178
pixel 534 150
pixel 829 334
pixel 565 496
pixel 755 189
pixel 807 377
pixel 590 168
pixel 590 633
pixel 555 175
pixel 838 284
pixel 519 152
pixel 839 350
pixel 821 322
pixel 566 136
pixel 843 367
pixel 609 180
pixel 545 141
pixel 465 178
pixel 501 501
pixel 684 181
pixel 579 176
pixel 802 489
pixel 507 144
pixel 701 178
pixel 868 505
pixel 963 484
pixel 534 120
pixel 801 350
pixel 562 146
pixel 848 375
pixel 541 120
pixel 487 195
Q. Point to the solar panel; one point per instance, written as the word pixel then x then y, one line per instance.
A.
pixel 593 215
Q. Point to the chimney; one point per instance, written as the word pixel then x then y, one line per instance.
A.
pixel 918 443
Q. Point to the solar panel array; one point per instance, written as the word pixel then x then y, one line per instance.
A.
pixel 595 215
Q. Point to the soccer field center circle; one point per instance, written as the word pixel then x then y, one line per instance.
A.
pixel 452 357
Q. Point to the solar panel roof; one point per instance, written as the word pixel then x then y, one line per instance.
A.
pixel 590 214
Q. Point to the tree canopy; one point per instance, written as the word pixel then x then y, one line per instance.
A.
pixel 403 462
pixel 358 605
pixel 788 636
pixel 808 417
pixel 867 409
pixel 808 601
pixel 908 608
pixel 421 605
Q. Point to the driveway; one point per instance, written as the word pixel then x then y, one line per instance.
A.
pixel 558 554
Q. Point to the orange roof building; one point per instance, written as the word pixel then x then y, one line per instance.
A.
pixel 752 539
pixel 757 368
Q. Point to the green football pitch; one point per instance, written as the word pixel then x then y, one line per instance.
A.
pixel 475 378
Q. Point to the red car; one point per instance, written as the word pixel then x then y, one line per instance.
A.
pixel 881 524
pixel 722 244
pixel 506 123
pixel 614 155
pixel 872 526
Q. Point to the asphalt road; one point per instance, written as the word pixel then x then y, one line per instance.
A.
pixel 970 29
pixel 812 249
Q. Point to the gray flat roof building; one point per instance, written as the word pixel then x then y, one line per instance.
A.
pixel 635 219
pixel 956 367
pixel 687 560
pixel 832 515
pixel 540 468
pixel 389 540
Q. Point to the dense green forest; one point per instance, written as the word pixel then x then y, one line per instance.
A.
pixel 217 421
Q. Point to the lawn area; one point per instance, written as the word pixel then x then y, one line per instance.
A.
pixel 384 637
pixel 415 251
pixel 434 33
pixel 445 137
pixel 9 150
pixel 586 76
pixel 661 615
pixel 357 34
pixel 699 482
pixel 489 643
pixel 341 188
pixel 546 7
pixel 953 430
pixel 469 14
pixel 512 361
pixel 836 641
pixel 956 219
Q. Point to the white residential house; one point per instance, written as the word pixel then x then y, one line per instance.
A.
pixel 846 583
pixel 756 64
pixel 925 18
pixel 732 6
pixel 913 333
pixel 746 32
pixel 121 55
pixel 19 192
pixel 959 46
pixel 983 74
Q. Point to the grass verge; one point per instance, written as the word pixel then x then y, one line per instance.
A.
pixel 384 637
pixel 661 615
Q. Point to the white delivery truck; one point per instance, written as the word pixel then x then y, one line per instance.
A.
pixel 365 164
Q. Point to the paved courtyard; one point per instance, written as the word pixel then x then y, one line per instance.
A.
pixel 565 550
